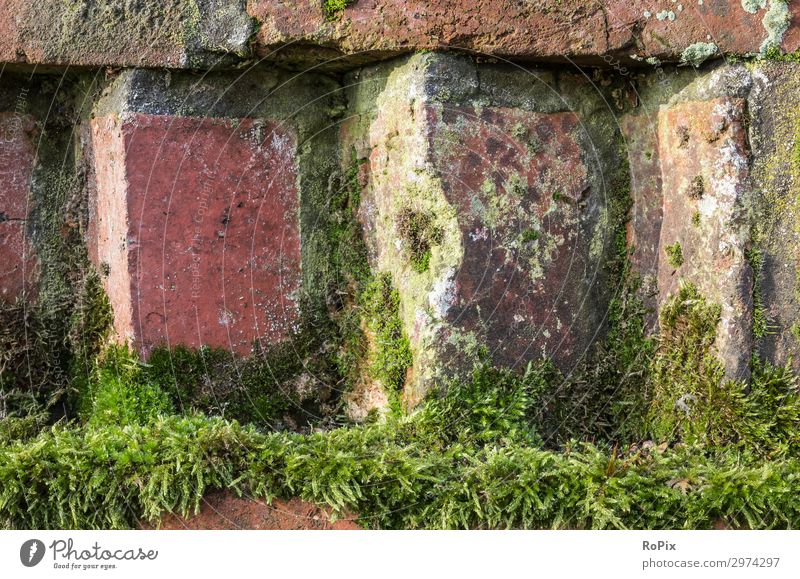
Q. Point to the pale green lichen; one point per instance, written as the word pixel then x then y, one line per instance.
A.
pixel 776 23
pixel 753 6
pixel 697 53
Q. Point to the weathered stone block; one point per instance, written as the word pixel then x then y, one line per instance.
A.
pixel 705 230
pixel 774 106
pixel 640 132
pixel 491 219
pixel 600 33
pixel 197 229
pixel 17 158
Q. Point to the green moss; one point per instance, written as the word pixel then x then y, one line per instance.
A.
pixel 694 403
pixel 696 219
pixel 418 234
pixel 390 356
pixel 120 393
pixel 529 235
pixel 761 323
pixel 334 8
pixel 674 255
pixel 482 471
pixel 261 390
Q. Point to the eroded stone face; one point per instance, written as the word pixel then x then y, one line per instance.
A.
pixel 519 186
pixel 640 132
pixel 197 229
pixel 705 230
pixel 774 104
pixel 17 157
pixel 487 219
pixel 597 33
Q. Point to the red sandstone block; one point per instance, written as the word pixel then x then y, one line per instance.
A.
pixel 17 158
pixel 196 225
pixel 705 172
pixel 518 185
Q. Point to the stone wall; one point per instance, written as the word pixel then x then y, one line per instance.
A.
pixel 189 154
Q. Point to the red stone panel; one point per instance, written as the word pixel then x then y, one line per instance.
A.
pixel 705 174
pixel 197 229
pixel 17 158
pixel 520 188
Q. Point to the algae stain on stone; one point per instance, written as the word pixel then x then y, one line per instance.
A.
pixel 403 182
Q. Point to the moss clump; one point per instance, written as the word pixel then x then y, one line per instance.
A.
pixel 406 473
pixel 390 352
pixel 674 255
pixel 697 188
pixel 419 234
pixel 260 390
pixel 761 324
pixel 121 393
pixel 334 8
pixel 694 403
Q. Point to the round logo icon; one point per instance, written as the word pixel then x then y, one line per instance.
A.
pixel 31 553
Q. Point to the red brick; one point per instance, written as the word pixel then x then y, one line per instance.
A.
pixel 588 32
pixel 525 297
pixel 707 140
pixel 17 157
pixel 197 224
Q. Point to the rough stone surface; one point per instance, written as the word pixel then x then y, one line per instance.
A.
pixel 774 105
pixel 169 33
pixel 640 132
pixel 514 211
pixel 223 510
pixel 518 185
pixel 705 176
pixel 597 32
pixel 197 229
pixel 17 157
pixel 210 33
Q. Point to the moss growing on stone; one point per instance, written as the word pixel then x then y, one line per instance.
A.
pixel 761 325
pixel 692 400
pixel 334 8
pixel 697 188
pixel 418 234
pixel 390 356
pixel 674 255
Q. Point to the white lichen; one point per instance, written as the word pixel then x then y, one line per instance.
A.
pixel 776 23
pixel 753 6
pixel 698 52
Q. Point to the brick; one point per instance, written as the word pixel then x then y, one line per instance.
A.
pixel 774 103
pixel 18 261
pixel 214 33
pixel 518 184
pixel 585 32
pixel 196 225
pixel 705 176
pixel 509 204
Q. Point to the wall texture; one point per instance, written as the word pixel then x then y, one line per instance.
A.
pixel 192 153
